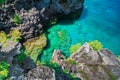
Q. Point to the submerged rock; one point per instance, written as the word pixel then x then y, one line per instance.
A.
pixel 34 47
pixel 88 64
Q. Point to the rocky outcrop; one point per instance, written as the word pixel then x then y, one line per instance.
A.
pixel 88 64
pixel 9 51
pixel 41 73
pixel 16 72
pixel 35 14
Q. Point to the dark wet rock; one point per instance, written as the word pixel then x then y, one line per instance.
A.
pixel 28 64
pixel 31 26
pixel 16 72
pixel 53 6
pixel 90 64
pixel 40 73
pixel 36 14
pixel 5 19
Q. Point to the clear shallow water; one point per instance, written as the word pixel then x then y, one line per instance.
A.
pixel 100 20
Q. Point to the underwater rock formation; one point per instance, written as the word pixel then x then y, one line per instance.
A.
pixel 34 47
pixel 88 64
pixel 35 14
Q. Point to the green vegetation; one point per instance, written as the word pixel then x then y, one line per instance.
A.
pixel 65 71
pixel 72 75
pixel 119 57
pixel 75 47
pixel 21 57
pixel 96 45
pixel 39 63
pixel 5 38
pixel 17 19
pixel 71 61
pixel 4 70
pixel 15 35
pixel 54 65
pixel 2 2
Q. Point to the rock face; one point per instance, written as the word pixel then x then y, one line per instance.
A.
pixel 16 72
pixel 7 53
pixel 90 65
pixel 35 14
pixel 41 73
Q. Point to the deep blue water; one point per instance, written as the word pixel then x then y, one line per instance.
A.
pixel 100 20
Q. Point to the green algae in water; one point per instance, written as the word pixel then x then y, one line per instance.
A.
pixel 58 39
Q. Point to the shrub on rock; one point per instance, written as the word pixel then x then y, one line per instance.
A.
pixel 96 45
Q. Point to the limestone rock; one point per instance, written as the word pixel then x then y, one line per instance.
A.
pixel 58 57
pixel 9 51
pixel 40 73
pixel 90 64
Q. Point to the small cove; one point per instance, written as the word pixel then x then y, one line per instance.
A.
pixel 99 21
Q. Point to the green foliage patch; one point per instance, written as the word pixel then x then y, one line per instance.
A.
pixel 21 57
pixel 2 2
pixel 54 65
pixel 73 77
pixel 4 69
pixel 119 57
pixel 17 19
pixel 75 47
pixel 70 61
pixel 96 45
pixel 14 35
pixel 3 39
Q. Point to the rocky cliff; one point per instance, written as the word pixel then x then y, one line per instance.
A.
pixel 85 64
pixel 26 19
pixel 35 14
pixel 88 64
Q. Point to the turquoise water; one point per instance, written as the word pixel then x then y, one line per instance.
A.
pixel 99 21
